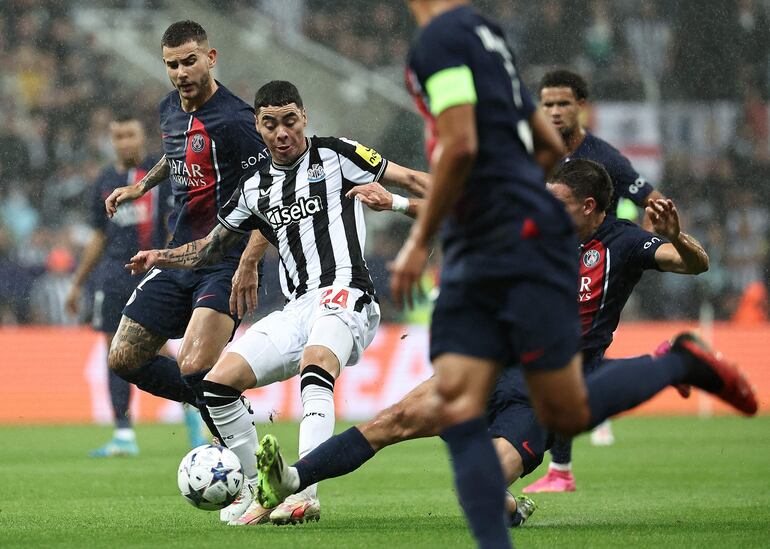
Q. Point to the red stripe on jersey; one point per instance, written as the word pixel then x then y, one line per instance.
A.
pixel 146 224
pixel 201 188
pixel 593 277
pixel 431 134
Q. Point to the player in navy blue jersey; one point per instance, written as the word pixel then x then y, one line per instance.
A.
pixel 613 255
pixel 563 98
pixel 509 277
pixel 142 223
pixel 210 144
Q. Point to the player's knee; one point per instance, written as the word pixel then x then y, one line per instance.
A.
pixel 119 359
pixel 193 363
pixel 320 356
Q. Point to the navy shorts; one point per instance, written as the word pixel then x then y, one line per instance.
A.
pixel 109 301
pixel 164 300
pixel 511 321
pixel 511 416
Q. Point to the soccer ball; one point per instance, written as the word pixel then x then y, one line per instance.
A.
pixel 210 477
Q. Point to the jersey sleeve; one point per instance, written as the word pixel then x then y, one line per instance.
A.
pixel 237 216
pixel 251 153
pixel 644 244
pixel 360 164
pixel 443 66
pixel 628 183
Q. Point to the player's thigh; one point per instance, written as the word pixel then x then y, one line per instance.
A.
pixel 208 331
pixel 132 346
pixel 414 416
pixel 272 348
pixel 510 459
pixel 234 371
pixel 463 384
pixel 329 345
pixel 560 397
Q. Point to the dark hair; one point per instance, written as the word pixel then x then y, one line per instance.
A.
pixel 123 114
pixel 182 32
pixel 277 93
pixel 585 178
pixel 565 79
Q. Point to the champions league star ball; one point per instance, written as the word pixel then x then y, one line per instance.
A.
pixel 210 477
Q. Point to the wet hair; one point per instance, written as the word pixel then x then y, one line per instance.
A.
pixel 565 79
pixel 182 32
pixel 277 93
pixel 585 178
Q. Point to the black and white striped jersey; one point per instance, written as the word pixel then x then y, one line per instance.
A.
pixel 302 209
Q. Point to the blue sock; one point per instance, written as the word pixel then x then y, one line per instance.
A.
pixel 561 451
pixel 479 481
pixel 624 384
pixel 337 456
pixel 195 383
pixel 120 394
pixel 160 376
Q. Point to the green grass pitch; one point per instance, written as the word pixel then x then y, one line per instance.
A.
pixel 667 482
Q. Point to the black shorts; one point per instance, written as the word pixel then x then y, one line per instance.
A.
pixel 164 300
pixel 511 416
pixel 109 301
pixel 511 321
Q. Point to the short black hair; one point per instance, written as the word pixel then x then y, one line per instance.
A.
pixel 124 114
pixel 563 78
pixel 585 178
pixel 277 93
pixel 182 32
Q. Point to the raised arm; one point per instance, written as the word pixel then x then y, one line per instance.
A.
pixel 684 255
pixel 416 182
pixel 157 174
pixel 199 253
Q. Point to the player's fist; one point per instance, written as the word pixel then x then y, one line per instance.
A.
pixel 373 195
pixel 406 271
pixel 143 261
pixel 120 195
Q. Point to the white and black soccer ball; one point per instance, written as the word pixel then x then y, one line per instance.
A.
pixel 210 477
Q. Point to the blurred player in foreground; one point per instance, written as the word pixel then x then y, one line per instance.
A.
pixel 331 314
pixel 209 144
pixel 563 99
pixel 519 439
pixel 142 224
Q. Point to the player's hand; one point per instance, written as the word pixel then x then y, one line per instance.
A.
pixel 120 195
pixel 664 217
pixel 143 261
pixel 373 195
pixel 406 271
pixel 72 303
pixel 243 296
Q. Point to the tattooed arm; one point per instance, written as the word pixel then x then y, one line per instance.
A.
pixel 157 174
pixel 198 253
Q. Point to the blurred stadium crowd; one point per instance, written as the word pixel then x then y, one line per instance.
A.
pixel 57 92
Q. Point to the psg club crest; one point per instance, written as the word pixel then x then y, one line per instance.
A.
pixel 198 143
pixel 591 258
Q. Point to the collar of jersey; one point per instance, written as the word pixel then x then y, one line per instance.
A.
pixel 296 163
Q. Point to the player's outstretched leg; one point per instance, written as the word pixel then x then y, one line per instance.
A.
pixel 123 442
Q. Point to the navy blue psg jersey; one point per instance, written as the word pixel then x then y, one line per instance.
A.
pixel 611 264
pixel 209 151
pixel 137 225
pixel 626 181
pixel 461 57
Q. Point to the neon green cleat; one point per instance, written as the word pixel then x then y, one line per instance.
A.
pixel 272 486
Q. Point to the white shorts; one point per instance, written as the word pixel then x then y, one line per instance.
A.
pixel 344 320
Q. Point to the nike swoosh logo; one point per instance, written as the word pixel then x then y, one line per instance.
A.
pixel 525 445
pixel 201 298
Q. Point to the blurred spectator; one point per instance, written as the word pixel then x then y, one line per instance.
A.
pixel 552 37
pixel 747 225
pixel 49 293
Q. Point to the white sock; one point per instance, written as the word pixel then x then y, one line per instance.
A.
pixel 125 434
pixel 235 424
pixel 317 423
pixel 563 467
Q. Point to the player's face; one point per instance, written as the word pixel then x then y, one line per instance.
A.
pixel 562 108
pixel 189 68
pixel 283 129
pixel 128 141
pixel 577 209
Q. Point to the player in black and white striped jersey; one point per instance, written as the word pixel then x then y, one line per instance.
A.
pixel 301 204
